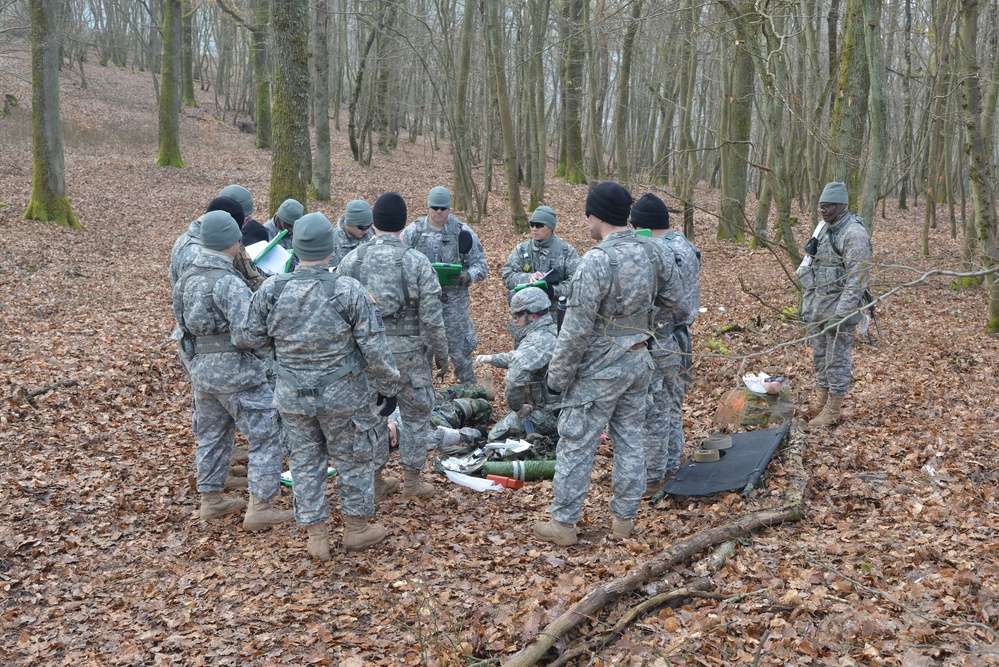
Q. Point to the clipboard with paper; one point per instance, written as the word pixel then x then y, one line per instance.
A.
pixel 269 256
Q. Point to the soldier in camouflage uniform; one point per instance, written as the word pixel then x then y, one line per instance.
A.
pixel 331 357
pixel 210 302
pixel 405 289
pixel 601 364
pixel 532 407
pixel 443 238
pixel 671 347
pixel 287 214
pixel 351 230
pixel 833 290
pixel 545 252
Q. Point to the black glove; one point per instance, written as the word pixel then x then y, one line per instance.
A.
pixel 553 277
pixel 462 279
pixel 390 403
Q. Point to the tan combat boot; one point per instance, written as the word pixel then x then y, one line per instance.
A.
pixel 652 488
pixel 238 471
pixel 214 506
pixel 232 482
pixel 358 534
pixel 261 515
pixel 621 529
pixel 240 455
pixel 412 487
pixel 319 541
pixel 384 487
pixel 556 532
pixel 830 413
pixel 821 396
pixel 489 384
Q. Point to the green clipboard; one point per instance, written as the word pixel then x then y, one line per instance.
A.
pixel 445 271
pixel 270 245
pixel 291 259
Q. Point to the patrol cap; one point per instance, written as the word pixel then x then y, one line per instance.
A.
pixel 358 213
pixel 439 196
pixel 530 300
pixel 290 211
pixel 313 237
pixel 545 215
pixel 240 194
pixel 219 231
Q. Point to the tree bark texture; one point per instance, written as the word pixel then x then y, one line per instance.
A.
pixel 321 108
pixel 510 167
pixel 187 53
pixel 877 151
pixel 571 166
pixel 737 125
pixel 169 115
pixel 980 171
pixel 849 115
pixel 261 74
pixel 622 145
pixel 291 159
pixel 48 200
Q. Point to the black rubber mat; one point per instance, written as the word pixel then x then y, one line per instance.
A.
pixel 739 466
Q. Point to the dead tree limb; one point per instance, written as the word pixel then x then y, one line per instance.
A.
pixel 604 594
pixel 696 589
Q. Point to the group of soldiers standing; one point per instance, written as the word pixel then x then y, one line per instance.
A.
pixel 309 364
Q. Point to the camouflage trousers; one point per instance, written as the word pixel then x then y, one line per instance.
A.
pixel 349 442
pixel 459 391
pixel 461 340
pixel 216 418
pixel 512 426
pixel 663 429
pixel 831 357
pixel 613 397
pixel 416 400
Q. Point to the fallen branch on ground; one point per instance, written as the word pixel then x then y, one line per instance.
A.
pixel 604 594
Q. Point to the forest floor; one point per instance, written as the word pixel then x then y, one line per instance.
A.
pixel 103 560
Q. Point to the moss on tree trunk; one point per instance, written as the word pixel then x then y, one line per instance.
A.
pixel 169 150
pixel 48 200
pixel 291 157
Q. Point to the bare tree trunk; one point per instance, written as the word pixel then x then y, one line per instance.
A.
pixel 686 162
pixel 495 44
pixel 187 53
pixel 878 153
pixel 980 171
pixel 321 108
pixel 737 125
pixel 621 144
pixel 48 200
pixel 932 174
pixel 571 166
pixel 291 158
pixel 849 115
pixel 169 115
pixel 261 74
pixel 464 186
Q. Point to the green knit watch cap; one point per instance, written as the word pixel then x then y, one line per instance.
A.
pixel 219 231
pixel 290 211
pixel 439 196
pixel 357 213
pixel 834 193
pixel 313 237
pixel 240 194
pixel 545 215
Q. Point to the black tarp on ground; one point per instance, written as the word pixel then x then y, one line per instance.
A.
pixel 739 465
